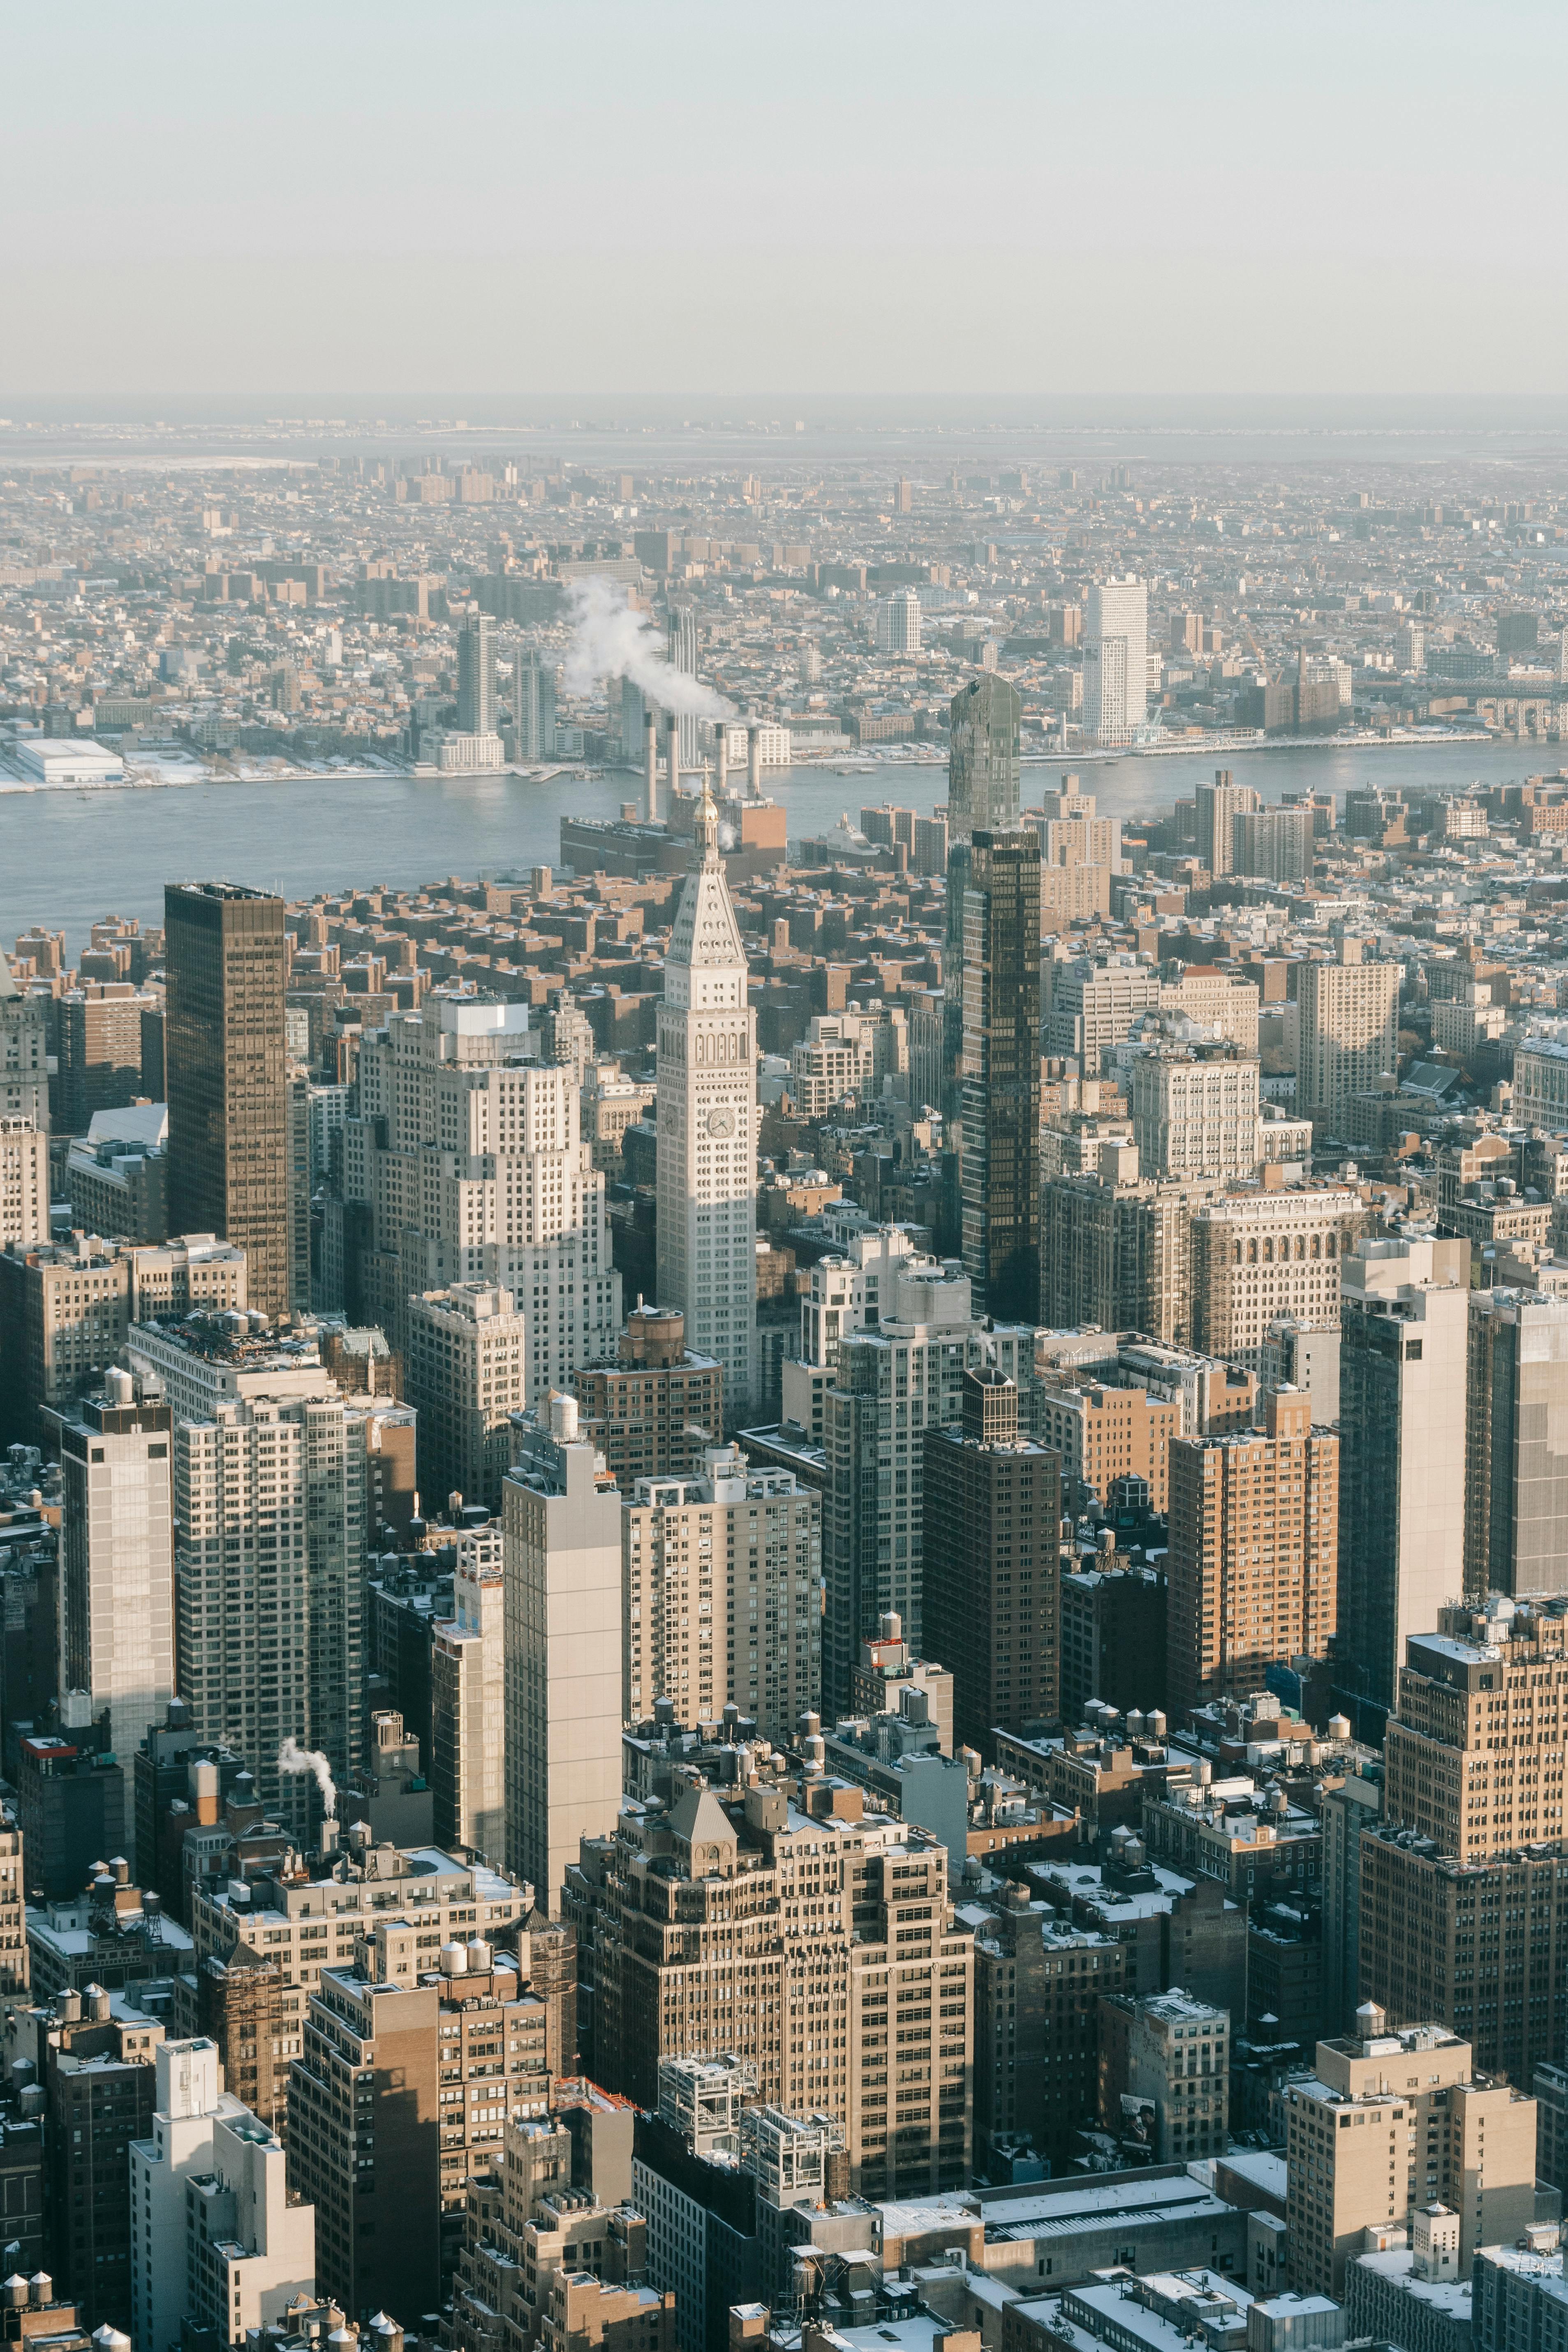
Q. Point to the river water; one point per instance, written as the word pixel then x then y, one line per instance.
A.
pixel 66 859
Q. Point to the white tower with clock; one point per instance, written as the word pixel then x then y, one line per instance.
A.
pixel 707 1124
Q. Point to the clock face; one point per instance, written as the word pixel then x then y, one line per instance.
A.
pixel 721 1121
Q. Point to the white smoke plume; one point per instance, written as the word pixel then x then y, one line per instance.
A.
pixel 292 1758
pixel 610 640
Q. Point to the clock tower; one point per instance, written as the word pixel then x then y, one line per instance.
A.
pixel 707 1124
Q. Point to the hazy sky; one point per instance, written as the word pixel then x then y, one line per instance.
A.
pixel 717 196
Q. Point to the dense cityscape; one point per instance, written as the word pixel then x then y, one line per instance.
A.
pixel 784 1179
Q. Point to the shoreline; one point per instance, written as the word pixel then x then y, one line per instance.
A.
pixel 834 763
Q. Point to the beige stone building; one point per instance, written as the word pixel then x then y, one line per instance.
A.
pixel 1348 1032
pixel 1254 1551
pixel 1266 1252
pixel 1392 2121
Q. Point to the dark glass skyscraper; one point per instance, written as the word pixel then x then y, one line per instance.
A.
pixel 999 1120
pixel 983 721
pixel 228 1101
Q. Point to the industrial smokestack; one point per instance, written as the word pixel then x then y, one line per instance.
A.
pixel 721 760
pixel 650 767
pixel 755 760
pixel 673 753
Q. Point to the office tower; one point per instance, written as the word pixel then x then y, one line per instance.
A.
pixel 984 720
pixel 680 645
pixel 216 2242
pixel 470 1156
pixel 561 1516
pixel 1403 1329
pixel 465 1365
pixel 225 1065
pixel 1094 1003
pixel 477 675
pixel 1393 2119
pixel 1217 807
pixel 95 2058
pixel 23 1054
pixel 407 2028
pixel 468 1706
pixel 1516 1481
pixel 100 1051
pixel 706 1163
pixel 993 1514
pixel 903 497
pixel 1116 660
pixel 1037 1988
pixel 272 1486
pixel 656 1406
pixel 1348 1032
pixel 999 1135
pixel 898 623
pixel 892 1385
pixel 66 1307
pixel 1254 1552
pixel 1194 1113
pixel 1164 2074
pixel 533 707
pixel 794 1910
pixel 1471 1853
pixel 1259 1256
pixel 24 1183
pixel 723 1594
pixel 1119 1254
pixel 881 1275
pixel 1274 844
pixel 117 1568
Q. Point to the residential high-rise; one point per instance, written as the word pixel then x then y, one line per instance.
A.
pixel 993 1515
pixel 272 1484
pixel 760 1922
pixel 984 720
pixel 533 705
pixel 24 1052
pixel 24 1182
pixel 892 1384
pixel 226 1075
pixel 477 675
pixel 100 1051
pixel 1116 660
pixel 1348 1032
pixel 467 1704
pixel 470 1153
pixel 117 1580
pixel 898 623
pixel 465 1376
pixel 1403 1322
pixel 653 1409
pixel 66 1307
pixel 1194 1113
pixel 1516 1477
pixel 1094 1003
pixel 999 1145
pixel 706 1154
pixel 723 1594
pixel 95 2058
pixel 406 2029
pixel 562 1518
pixel 1464 1887
pixel 1254 1552
pixel 217 2241
pixel 1037 1988
pixel 1394 2118
pixel 1275 844
pixel 1218 806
